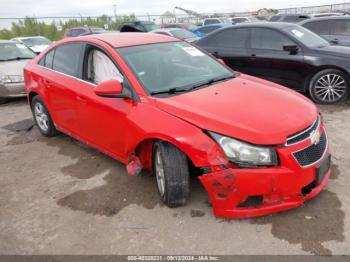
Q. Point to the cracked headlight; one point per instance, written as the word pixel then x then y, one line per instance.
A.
pixel 244 154
pixel 8 79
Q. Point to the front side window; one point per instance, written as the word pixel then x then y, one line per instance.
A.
pixel 14 51
pixel 268 39
pixel 101 68
pixel 175 65
pixel 67 59
pixel 306 37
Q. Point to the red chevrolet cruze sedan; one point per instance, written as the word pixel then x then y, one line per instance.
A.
pixel 154 102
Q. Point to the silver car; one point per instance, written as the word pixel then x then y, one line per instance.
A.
pixel 178 33
pixel 13 57
pixel 35 43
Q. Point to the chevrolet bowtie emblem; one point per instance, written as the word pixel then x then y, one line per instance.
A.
pixel 315 137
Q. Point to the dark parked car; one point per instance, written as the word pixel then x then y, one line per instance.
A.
pixel 78 31
pixel 138 26
pixel 293 18
pixel 287 54
pixel 335 29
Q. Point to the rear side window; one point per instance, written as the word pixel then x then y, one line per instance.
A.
pixel 232 38
pixel 268 39
pixel 318 27
pixel 67 59
pixel 47 60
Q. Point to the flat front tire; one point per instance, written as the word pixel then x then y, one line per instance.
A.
pixel 329 86
pixel 42 118
pixel 171 169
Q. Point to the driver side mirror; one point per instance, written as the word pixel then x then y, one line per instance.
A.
pixel 111 88
pixel 292 49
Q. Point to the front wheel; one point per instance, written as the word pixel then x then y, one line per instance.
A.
pixel 329 86
pixel 171 169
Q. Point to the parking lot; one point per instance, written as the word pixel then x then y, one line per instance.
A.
pixel 58 196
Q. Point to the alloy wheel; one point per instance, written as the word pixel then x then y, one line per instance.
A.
pixel 41 117
pixel 159 168
pixel 330 88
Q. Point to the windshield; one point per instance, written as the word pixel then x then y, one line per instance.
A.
pixel 182 34
pixel 307 37
pixel 175 65
pixel 150 27
pixel 13 51
pixel 36 41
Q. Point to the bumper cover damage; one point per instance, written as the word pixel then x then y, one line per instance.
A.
pixel 249 192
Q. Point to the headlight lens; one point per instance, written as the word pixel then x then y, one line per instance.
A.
pixel 244 154
pixel 7 79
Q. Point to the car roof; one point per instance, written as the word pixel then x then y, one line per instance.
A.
pixel 7 42
pixel 220 24
pixel 277 25
pixel 345 17
pixel 118 40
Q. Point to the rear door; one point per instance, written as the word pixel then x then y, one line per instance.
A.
pixel 230 45
pixel 269 61
pixel 340 31
pixel 62 71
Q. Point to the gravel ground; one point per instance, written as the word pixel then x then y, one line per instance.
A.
pixel 58 196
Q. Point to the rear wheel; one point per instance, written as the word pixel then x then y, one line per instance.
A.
pixel 172 174
pixel 329 86
pixel 42 118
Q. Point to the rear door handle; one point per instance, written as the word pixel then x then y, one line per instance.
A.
pixel 252 56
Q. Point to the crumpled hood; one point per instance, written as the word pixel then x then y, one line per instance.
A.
pixel 335 50
pixel 245 108
pixel 13 67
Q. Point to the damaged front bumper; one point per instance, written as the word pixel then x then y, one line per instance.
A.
pixel 251 192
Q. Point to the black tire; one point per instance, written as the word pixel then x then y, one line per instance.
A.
pixel 2 100
pixel 176 174
pixel 51 129
pixel 318 86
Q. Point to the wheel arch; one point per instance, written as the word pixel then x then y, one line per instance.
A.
pixel 199 154
pixel 319 69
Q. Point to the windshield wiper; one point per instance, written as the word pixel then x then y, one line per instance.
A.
pixel 169 91
pixel 192 87
pixel 211 81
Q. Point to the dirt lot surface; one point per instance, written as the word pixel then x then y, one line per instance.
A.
pixel 58 196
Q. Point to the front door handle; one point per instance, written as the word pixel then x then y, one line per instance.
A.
pixel 81 99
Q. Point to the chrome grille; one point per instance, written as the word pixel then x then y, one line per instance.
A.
pixel 304 134
pixel 313 153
